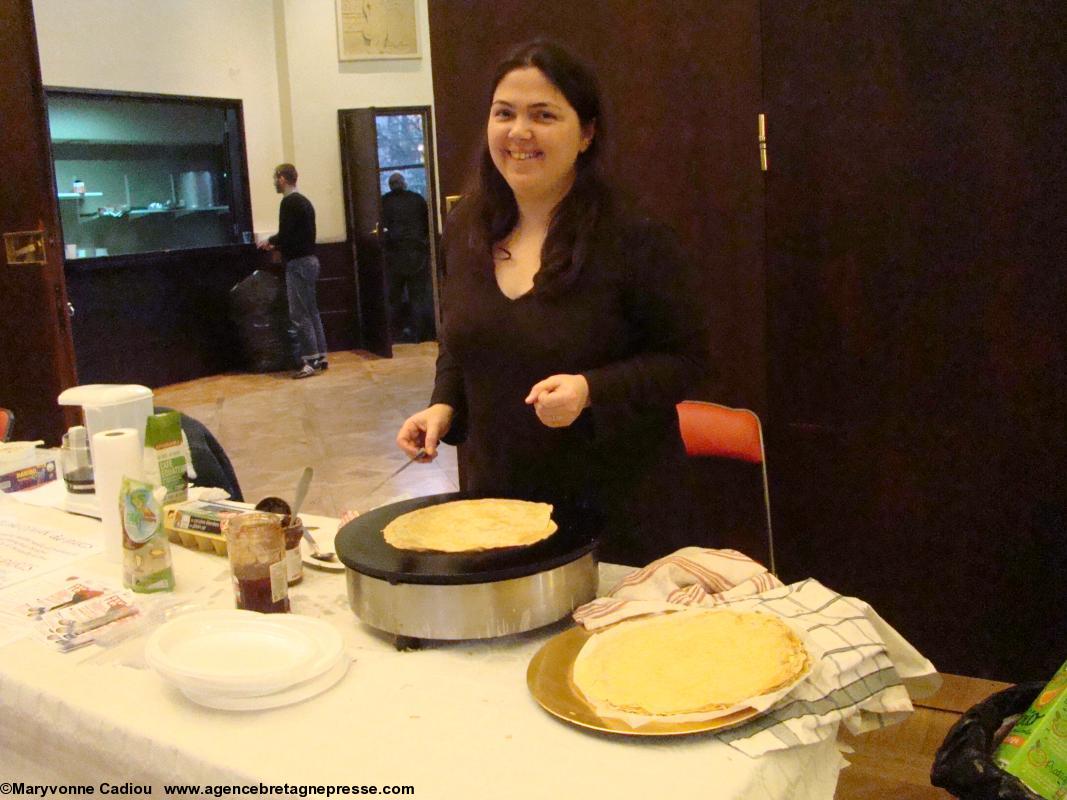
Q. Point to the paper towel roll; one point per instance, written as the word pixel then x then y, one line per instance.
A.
pixel 117 454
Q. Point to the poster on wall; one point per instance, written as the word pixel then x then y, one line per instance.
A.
pixel 376 29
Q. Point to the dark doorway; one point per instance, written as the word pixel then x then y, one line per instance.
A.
pixel 377 143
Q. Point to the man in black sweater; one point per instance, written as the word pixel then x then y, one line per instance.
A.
pixel 407 259
pixel 296 241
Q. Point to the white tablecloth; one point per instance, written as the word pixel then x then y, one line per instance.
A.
pixel 453 720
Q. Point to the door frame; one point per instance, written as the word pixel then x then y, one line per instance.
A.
pixel 35 336
pixel 429 157
pixel 348 176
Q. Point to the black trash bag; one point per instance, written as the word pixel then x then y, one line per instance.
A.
pixel 261 313
pixel 964 762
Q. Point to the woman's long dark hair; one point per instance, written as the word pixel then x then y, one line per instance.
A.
pixel 489 212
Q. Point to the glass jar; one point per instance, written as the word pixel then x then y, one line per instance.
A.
pixel 256 546
pixel 77 462
pixel 294 564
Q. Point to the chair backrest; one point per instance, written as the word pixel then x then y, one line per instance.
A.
pixel 7 422
pixel 212 466
pixel 710 430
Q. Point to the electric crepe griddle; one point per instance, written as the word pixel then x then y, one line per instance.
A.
pixel 428 595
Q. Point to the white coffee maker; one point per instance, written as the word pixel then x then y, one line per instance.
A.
pixel 108 405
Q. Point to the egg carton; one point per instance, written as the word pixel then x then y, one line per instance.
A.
pixel 198 540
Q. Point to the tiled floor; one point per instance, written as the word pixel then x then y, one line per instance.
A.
pixel 343 423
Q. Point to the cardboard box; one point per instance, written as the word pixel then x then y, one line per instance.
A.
pixel 28 477
pixel 201 516
pixel 1035 751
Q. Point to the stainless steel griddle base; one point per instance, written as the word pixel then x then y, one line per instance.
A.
pixel 472 610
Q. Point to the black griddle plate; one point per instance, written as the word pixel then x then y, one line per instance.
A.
pixel 361 546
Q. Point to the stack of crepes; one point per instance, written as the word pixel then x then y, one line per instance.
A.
pixel 861 670
pixel 695 665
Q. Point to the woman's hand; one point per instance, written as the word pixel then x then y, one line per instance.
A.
pixel 559 399
pixel 424 430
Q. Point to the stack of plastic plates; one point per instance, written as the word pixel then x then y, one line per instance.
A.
pixel 243 660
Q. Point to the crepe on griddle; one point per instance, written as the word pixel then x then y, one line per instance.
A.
pixel 688 662
pixel 463 526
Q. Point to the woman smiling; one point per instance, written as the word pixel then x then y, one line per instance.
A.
pixel 571 327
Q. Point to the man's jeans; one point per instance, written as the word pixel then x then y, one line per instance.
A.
pixel 300 277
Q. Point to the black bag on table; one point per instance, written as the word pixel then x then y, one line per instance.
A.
pixel 964 763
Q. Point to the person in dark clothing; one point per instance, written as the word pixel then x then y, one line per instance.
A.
pixel 572 327
pixel 296 241
pixel 407 260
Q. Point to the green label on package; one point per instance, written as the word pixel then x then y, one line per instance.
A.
pixel 165 455
pixel 1035 751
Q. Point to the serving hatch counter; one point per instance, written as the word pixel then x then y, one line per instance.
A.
pixel 452 719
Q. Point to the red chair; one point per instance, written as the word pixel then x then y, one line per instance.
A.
pixel 7 422
pixel 710 430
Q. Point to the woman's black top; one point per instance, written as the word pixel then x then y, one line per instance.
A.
pixel 635 323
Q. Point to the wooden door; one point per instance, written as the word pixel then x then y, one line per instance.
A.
pixel 359 171
pixel 915 221
pixel 36 351
pixel 372 148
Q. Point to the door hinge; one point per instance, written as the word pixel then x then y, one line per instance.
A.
pixel 763 142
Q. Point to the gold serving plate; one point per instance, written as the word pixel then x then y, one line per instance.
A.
pixel 549 678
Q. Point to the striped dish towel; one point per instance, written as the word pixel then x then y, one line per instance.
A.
pixel 863 669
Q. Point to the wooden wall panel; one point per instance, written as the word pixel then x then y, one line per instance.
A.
pixel 913 287
pixel 166 318
pixel 337 295
pixel 156 320
pixel 682 90
pixel 916 220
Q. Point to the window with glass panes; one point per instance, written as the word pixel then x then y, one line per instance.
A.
pixel 401 149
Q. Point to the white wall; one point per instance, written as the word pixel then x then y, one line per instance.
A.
pixel 194 47
pixel 279 57
pixel 319 85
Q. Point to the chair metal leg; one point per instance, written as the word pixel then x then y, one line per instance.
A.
pixel 770 531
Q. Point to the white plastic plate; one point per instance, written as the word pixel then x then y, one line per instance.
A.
pixel 293 694
pixel 234 652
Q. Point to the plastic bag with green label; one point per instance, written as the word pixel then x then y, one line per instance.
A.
pixel 145 549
